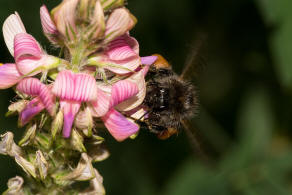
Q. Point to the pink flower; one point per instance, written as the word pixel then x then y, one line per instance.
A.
pixel 30 59
pixel 121 56
pixel 43 99
pixel 73 89
pixel 49 27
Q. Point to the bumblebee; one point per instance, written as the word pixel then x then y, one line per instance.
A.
pixel 169 100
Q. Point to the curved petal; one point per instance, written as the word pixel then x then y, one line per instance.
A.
pixel 11 27
pixel 33 87
pixel 137 100
pixel 9 76
pixel 76 87
pixel 148 60
pixel 47 99
pixel 25 44
pixel 32 109
pixel 49 27
pixel 123 90
pixel 119 126
pixel 29 86
pixel 119 22
pixel 70 109
pixel 102 104
pixel 64 17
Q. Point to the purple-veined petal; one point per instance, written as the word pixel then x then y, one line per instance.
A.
pixel 119 126
pixel 118 23
pixel 123 90
pixel 48 25
pixel 64 17
pixel 25 44
pixel 32 109
pixel 11 27
pixel 133 43
pixel 33 87
pixel 9 76
pixel 102 103
pixel 136 100
pixel 29 86
pixel 69 109
pixel 48 99
pixel 76 87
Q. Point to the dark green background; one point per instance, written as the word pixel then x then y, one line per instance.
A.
pixel 243 73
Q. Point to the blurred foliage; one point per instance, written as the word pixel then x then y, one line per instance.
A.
pixel 244 81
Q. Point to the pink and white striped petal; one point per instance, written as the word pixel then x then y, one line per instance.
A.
pixel 33 87
pixel 102 103
pixel 118 23
pixel 9 75
pixel 122 91
pixel 64 17
pixel 70 110
pixel 49 27
pixel 29 86
pixel 26 45
pixel 75 87
pixel 136 100
pixel 32 109
pixel 119 126
pixel 11 27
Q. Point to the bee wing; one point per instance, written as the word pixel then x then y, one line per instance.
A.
pixel 195 143
pixel 194 62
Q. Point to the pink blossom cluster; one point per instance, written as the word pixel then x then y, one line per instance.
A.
pixel 98 42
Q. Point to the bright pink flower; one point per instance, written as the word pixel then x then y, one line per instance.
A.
pixel 29 57
pixel 73 89
pixel 43 98
pixel 121 56
pixel 48 25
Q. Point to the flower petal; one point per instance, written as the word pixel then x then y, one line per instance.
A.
pixel 119 126
pixel 29 86
pixel 76 87
pixel 98 20
pixel 70 109
pixel 9 76
pixel 102 104
pixel 33 87
pixel 123 90
pixel 148 60
pixel 25 44
pixel 119 22
pixel 11 27
pixel 33 108
pixel 48 25
pixel 64 17
pixel 137 100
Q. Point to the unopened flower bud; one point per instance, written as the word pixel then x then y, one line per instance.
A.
pixel 84 121
pixel 7 145
pixel 98 154
pixel 16 107
pixel 96 186
pixel 77 141
pixel 29 135
pixel 84 171
pixel 42 165
pixel 26 165
pixel 57 124
pixel 112 4
pixel 14 186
